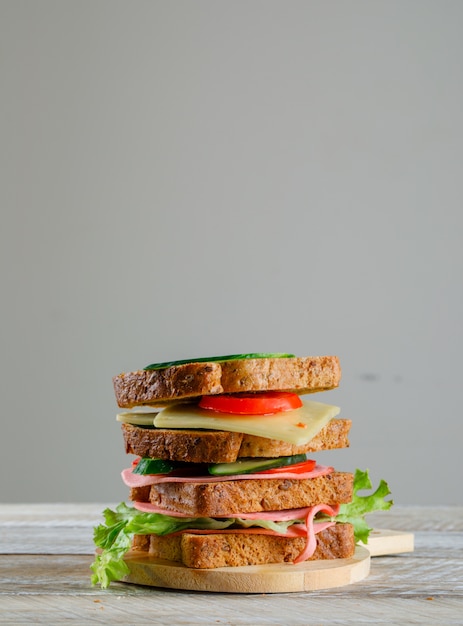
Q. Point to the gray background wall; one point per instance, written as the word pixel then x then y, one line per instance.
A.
pixel 187 178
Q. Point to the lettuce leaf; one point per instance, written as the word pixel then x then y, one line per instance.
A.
pixel 114 538
pixel 354 511
pixel 278 527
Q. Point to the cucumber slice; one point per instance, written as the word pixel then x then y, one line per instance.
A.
pixel 249 466
pixel 154 466
pixel 228 357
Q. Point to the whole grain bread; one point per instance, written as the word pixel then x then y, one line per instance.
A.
pixel 225 498
pixel 207 446
pixel 196 446
pixel 332 436
pixel 181 382
pixel 234 550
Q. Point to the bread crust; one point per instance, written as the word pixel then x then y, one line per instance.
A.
pixel 235 550
pixel 181 382
pixel 227 498
pixel 207 446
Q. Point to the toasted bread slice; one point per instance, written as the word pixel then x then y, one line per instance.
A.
pixel 208 446
pixel 332 436
pixel 195 446
pixel 181 382
pixel 227 498
pixel 233 550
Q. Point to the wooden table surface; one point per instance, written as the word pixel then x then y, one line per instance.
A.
pixel 46 550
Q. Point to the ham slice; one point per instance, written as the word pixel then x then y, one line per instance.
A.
pixel 138 480
pixel 310 526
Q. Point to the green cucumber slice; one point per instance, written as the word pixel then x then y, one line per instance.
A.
pixel 249 466
pixel 228 357
pixel 154 466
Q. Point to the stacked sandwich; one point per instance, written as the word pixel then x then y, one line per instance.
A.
pixel 222 474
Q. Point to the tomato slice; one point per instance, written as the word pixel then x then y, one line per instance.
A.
pixel 297 468
pixel 262 403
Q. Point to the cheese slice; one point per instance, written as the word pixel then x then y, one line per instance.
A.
pixel 297 427
pixel 137 419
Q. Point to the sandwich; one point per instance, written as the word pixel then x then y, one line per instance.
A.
pixel 223 473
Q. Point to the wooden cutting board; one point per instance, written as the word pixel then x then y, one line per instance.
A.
pixel 382 542
pixel 272 578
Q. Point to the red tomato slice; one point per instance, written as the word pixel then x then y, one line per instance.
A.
pixel 265 403
pixel 297 468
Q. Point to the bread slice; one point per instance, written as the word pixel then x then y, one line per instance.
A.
pixel 234 550
pixel 227 498
pixel 207 446
pixel 332 436
pixel 195 446
pixel 190 380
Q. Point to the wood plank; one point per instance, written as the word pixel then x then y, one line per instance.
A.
pixel 165 608
pixel 414 518
pixel 49 528
pixel 47 540
pixel 350 612
pixel 56 590
pixel 56 513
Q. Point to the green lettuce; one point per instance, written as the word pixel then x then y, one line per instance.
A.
pixel 354 511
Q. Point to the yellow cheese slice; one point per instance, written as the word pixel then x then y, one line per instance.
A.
pixel 297 427
pixel 137 419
